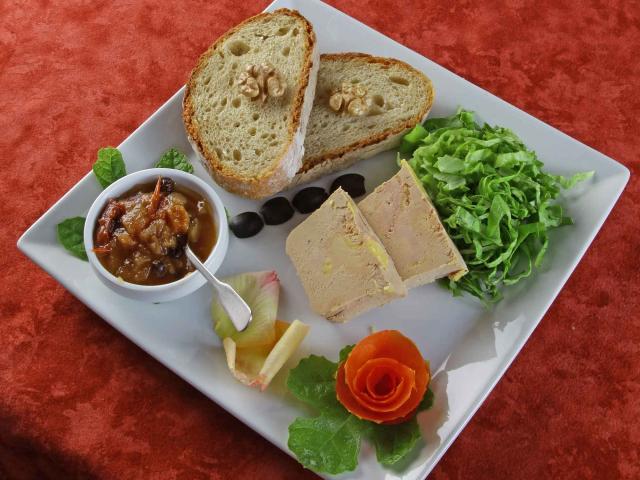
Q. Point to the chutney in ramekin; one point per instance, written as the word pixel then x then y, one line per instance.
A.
pixel 140 236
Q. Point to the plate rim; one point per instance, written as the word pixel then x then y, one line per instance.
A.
pixel 621 174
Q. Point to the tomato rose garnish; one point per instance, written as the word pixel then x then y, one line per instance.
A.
pixel 383 379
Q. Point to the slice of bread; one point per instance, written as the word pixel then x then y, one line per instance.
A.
pixel 250 147
pixel 400 96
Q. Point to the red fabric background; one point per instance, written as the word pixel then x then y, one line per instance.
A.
pixel 79 400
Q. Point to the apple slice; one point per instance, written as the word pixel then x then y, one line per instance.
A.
pixel 257 366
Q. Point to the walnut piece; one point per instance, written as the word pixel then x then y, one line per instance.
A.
pixel 261 81
pixel 350 99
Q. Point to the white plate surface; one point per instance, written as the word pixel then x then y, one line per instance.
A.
pixel 469 347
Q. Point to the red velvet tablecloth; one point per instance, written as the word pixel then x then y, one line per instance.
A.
pixel 79 400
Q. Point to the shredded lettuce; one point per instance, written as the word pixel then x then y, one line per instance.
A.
pixel 493 197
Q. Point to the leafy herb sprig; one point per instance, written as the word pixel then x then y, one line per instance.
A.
pixel 109 166
pixel 174 158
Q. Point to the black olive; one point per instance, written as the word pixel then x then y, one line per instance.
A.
pixel 167 185
pixel 309 199
pixel 246 224
pixel 352 183
pixel 158 268
pixel 276 211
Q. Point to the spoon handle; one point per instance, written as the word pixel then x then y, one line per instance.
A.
pixel 237 309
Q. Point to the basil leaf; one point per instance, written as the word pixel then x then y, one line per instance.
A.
pixel 109 167
pixel 328 443
pixel 174 158
pixel 70 233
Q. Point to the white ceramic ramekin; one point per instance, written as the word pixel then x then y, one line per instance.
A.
pixel 183 286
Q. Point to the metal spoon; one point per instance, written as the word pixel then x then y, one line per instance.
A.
pixel 237 309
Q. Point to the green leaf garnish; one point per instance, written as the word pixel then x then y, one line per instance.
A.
pixel 427 401
pixel 394 442
pixel 493 197
pixel 109 167
pixel 70 233
pixel 344 353
pixel 174 158
pixel 327 443
pixel 313 381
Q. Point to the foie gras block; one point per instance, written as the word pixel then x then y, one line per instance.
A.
pixel 344 268
pixel 407 223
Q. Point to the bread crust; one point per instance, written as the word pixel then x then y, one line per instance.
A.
pixel 340 158
pixel 279 175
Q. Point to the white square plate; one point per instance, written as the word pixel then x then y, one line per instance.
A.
pixel 469 347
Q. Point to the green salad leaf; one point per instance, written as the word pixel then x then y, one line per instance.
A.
pixel 174 158
pixel 330 442
pixel 70 233
pixel 493 197
pixel 109 167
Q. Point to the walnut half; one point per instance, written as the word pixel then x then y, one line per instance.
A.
pixel 350 99
pixel 260 81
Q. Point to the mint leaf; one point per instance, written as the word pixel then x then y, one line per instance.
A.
pixel 313 381
pixel 394 442
pixel 174 158
pixel 109 167
pixel 70 233
pixel 344 353
pixel 328 443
